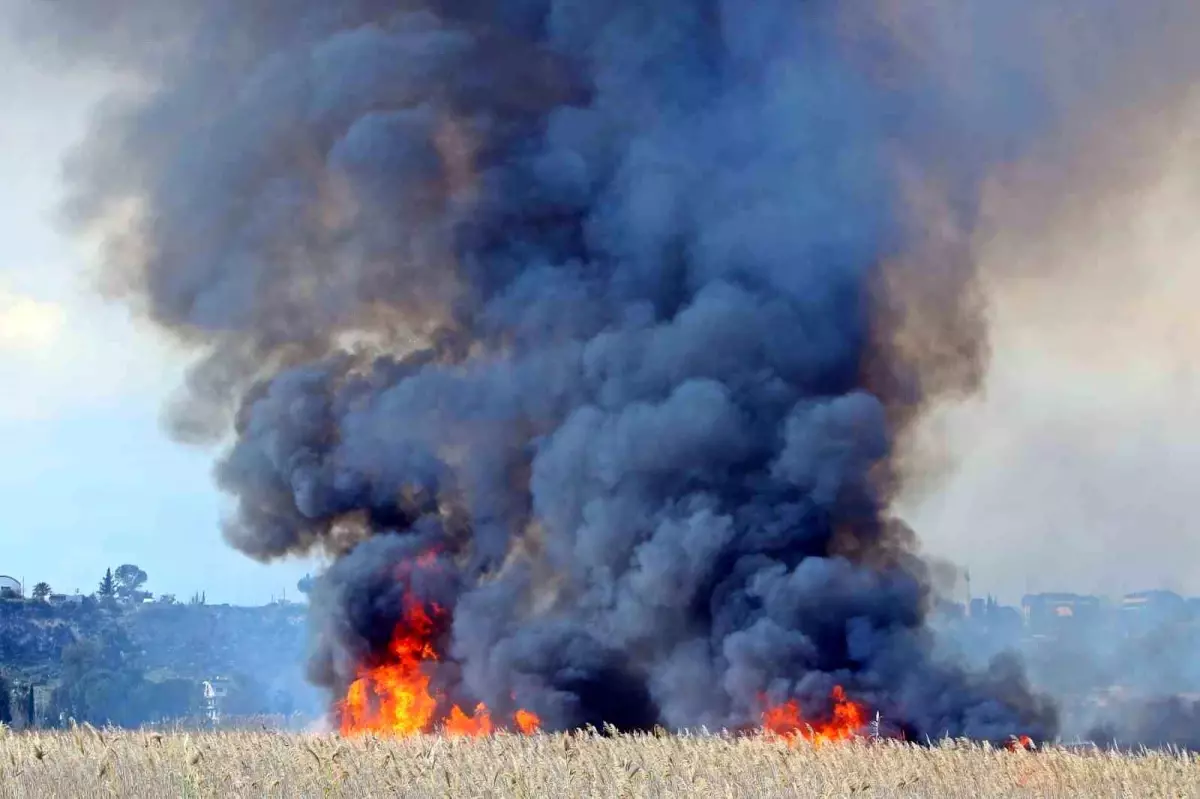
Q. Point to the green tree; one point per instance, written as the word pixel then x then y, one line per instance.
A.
pixel 101 683
pixel 41 591
pixel 172 698
pixel 246 696
pixel 101 696
pixel 130 579
pixel 108 586
pixel 79 660
pixel 5 706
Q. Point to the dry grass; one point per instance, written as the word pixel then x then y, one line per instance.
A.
pixel 86 762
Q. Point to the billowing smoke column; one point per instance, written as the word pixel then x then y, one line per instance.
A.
pixel 588 299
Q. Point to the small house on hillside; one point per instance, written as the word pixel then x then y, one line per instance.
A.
pixel 65 599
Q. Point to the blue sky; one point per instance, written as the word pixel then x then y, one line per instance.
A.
pixel 87 478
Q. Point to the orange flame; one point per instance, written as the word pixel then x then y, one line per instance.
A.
pixel 787 721
pixel 1018 742
pixel 460 724
pixel 395 697
pixel 527 722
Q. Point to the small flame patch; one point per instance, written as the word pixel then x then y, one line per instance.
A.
pixel 1019 743
pixel 787 721
pixel 396 698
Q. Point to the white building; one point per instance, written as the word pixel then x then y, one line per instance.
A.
pixel 10 587
pixel 215 691
pixel 65 599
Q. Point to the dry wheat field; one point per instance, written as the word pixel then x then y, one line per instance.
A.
pixel 85 762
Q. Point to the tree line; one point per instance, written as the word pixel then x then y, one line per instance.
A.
pixel 125 584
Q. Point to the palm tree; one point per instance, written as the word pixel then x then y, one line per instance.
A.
pixel 41 591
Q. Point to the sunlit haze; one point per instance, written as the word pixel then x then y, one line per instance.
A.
pixel 88 479
pixel 1075 469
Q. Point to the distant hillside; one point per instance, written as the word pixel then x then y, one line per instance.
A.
pixel 212 640
pixel 129 663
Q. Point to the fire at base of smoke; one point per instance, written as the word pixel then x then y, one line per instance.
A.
pixel 592 302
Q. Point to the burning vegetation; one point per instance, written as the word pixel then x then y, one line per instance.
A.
pixel 620 307
pixel 595 302
pixel 846 722
pixel 396 697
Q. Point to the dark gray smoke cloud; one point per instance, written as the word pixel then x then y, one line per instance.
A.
pixel 585 297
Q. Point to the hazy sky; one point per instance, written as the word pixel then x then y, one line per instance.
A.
pixel 1077 468
pixel 87 478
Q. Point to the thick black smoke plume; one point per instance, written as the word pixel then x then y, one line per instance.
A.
pixel 591 299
